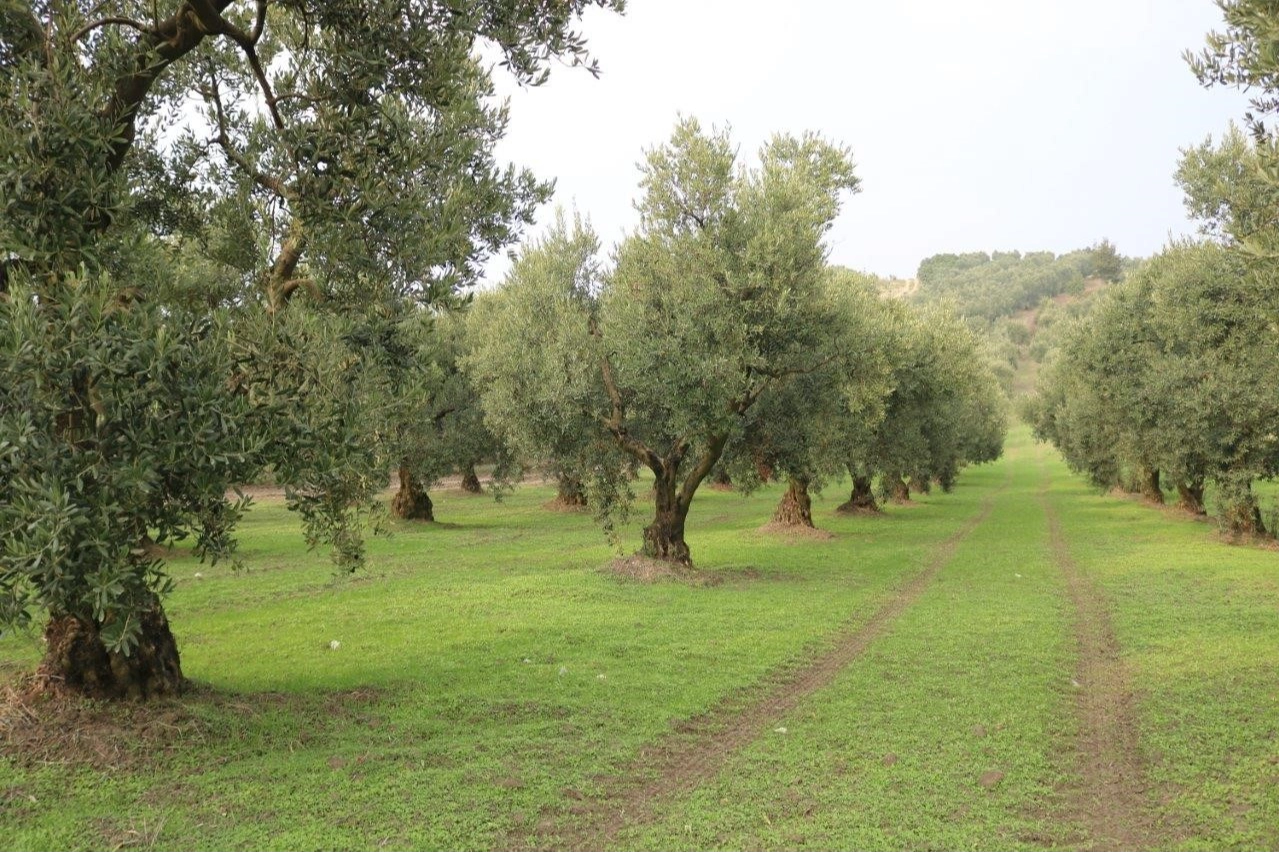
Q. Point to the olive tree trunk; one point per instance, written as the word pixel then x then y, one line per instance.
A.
pixel 569 491
pixel 921 484
pixel 1149 483
pixel 664 538
pixel 862 498
pixel 1191 497
pixel 470 481
pixel 896 489
pixel 411 502
pixel 796 507
pixel 76 658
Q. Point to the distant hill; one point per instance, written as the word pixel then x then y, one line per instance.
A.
pixel 1002 284
pixel 1017 299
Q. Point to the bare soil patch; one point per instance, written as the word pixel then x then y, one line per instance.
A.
pixel 845 509
pixel 697 748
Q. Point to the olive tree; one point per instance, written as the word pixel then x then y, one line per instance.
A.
pixel 530 356
pixel 332 159
pixel 1218 348
pixel 944 408
pixel 116 432
pixel 713 303
pixel 1166 377
pixel 798 433
pixel 435 421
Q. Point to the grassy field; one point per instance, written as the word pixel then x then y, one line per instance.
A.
pixel 1020 664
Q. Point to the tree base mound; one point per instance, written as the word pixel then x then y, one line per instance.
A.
pixel 43 722
pixel 641 569
pixel 561 505
pixel 850 508
pixel 796 531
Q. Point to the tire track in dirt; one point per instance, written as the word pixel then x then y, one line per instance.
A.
pixel 1108 799
pixel 700 746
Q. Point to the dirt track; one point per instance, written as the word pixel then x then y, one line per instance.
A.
pixel 700 746
pixel 1107 797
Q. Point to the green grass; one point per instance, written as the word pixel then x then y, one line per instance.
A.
pixel 488 665
pixel 1198 620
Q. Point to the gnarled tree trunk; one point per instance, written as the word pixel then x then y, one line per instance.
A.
pixel 664 538
pixel 1191 497
pixel 411 502
pixel 569 491
pixel 1149 483
pixel 896 489
pixel 862 498
pixel 922 484
pixel 796 507
pixel 76 658
pixel 470 481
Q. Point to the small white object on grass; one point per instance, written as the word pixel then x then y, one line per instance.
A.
pixel 563 670
pixel 334 645
pixel 601 676
pixel 1074 682
pixel 199 575
pixel 781 730
pixel 528 660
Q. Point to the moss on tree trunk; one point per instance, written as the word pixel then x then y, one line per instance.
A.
pixel 76 658
pixel 796 507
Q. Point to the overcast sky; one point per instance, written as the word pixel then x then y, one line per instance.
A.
pixel 986 124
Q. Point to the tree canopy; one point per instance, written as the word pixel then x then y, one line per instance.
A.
pixel 339 156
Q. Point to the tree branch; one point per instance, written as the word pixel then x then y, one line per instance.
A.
pixel 614 423
pixel 156 49
pixel 262 179
pixel 212 21
pixel 281 285
pixel 702 469
pixel 259 25
pixel 111 21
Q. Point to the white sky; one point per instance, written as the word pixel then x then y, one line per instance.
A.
pixel 979 125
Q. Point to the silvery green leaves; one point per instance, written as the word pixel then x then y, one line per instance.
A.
pixel 116 430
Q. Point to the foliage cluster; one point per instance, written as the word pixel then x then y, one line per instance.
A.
pixel 719 337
